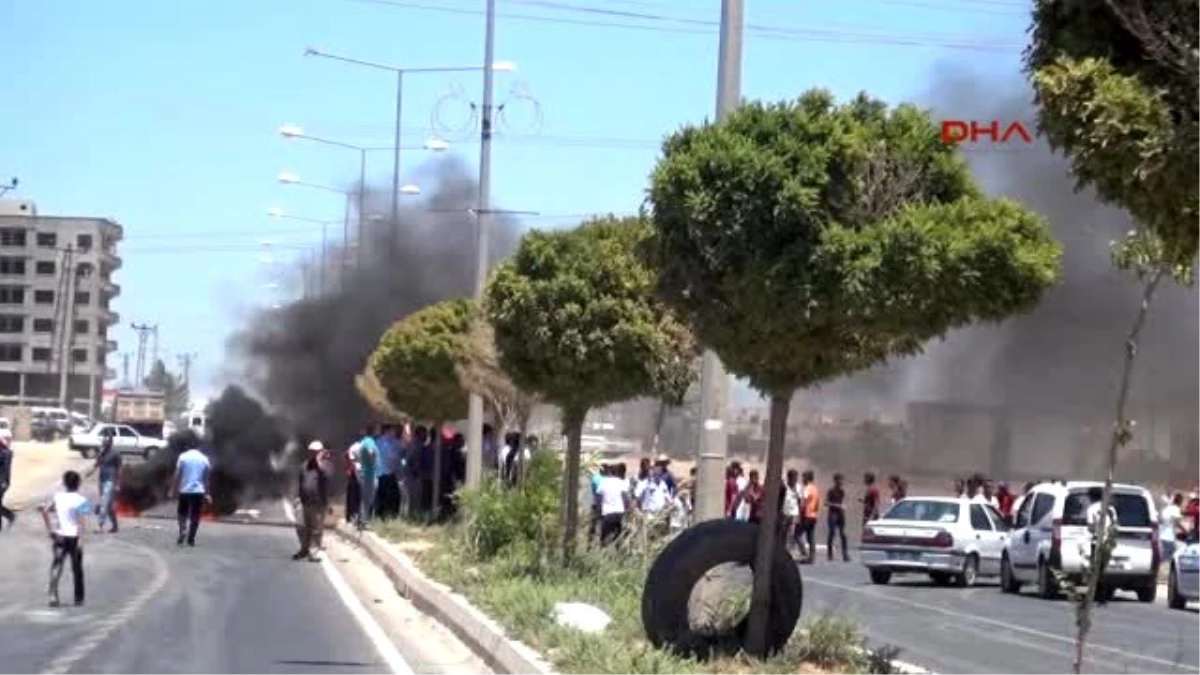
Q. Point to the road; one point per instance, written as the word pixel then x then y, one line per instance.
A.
pixel 236 603
pixel 980 630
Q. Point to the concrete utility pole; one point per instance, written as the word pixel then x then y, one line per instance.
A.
pixel 185 365
pixel 712 451
pixel 482 218
pixel 66 355
pixel 139 369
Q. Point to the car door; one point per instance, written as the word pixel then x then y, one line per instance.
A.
pixel 985 540
pixel 126 440
pixel 1000 532
pixel 1020 541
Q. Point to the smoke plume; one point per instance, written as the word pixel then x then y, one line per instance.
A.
pixel 303 358
pixel 1064 358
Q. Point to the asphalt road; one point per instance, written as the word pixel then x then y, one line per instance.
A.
pixel 981 630
pixel 236 603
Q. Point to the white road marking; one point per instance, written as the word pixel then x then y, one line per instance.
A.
pixel 382 643
pixel 102 629
pixel 1092 647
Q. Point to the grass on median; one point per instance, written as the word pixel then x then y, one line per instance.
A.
pixel 500 557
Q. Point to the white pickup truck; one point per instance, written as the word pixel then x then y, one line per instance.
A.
pixel 125 439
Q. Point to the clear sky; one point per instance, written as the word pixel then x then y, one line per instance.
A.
pixel 163 115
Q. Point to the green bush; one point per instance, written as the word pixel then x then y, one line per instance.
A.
pixel 498 518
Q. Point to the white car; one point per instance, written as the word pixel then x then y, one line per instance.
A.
pixel 6 431
pixel 1184 583
pixel 1051 539
pixel 126 440
pixel 948 538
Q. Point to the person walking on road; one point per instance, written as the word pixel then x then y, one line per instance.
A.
pixel 69 510
pixel 108 463
pixel 313 495
pixel 6 462
pixel 191 482
pixel 835 501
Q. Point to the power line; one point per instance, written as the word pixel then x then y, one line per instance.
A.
pixel 678 25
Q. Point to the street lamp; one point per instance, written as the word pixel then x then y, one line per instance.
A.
pixel 399 72
pixel 276 212
pixel 292 131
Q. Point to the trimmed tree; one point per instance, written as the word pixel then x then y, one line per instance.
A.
pixel 1117 90
pixel 804 241
pixel 416 362
pixel 576 322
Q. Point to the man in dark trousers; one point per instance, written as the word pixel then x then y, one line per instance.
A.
pixel 108 463
pixel 313 495
pixel 6 462
pixel 65 516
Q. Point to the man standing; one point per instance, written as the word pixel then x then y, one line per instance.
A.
pixel 368 461
pixel 810 510
pixel 612 496
pixel 313 495
pixel 388 498
pixel 66 532
pixel 191 481
pixel 6 461
pixel 108 463
pixel 835 500
pixel 353 489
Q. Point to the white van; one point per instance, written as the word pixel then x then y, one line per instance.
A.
pixel 195 420
pixel 1051 535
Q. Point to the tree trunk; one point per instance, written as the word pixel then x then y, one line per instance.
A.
pixel 1120 437
pixel 659 418
pixel 760 600
pixel 435 506
pixel 573 421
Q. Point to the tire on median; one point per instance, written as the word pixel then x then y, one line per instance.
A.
pixel 686 560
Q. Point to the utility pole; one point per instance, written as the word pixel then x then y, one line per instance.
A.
pixel 125 370
pixel 143 333
pixel 185 364
pixel 66 301
pixel 712 449
pixel 154 345
pixel 482 219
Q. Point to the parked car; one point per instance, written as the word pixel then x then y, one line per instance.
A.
pixel 6 430
pixel 1051 542
pixel 950 539
pixel 42 428
pixel 126 440
pixel 1183 584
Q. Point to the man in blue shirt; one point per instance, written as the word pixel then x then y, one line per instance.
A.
pixel 368 463
pixel 387 501
pixel 191 483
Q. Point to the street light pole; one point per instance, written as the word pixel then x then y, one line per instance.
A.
pixel 362 200
pixel 482 218
pixel 712 449
pixel 394 226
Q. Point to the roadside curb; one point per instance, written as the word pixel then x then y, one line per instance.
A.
pixel 478 631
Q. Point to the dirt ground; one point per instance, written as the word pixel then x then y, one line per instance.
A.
pixel 38 468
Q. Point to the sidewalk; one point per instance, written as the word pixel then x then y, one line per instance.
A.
pixel 37 470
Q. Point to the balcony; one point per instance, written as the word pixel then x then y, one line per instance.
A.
pixel 110 317
pixel 109 260
pixel 109 288
pixel 110 346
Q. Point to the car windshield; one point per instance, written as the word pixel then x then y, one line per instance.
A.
pixel 926 510
pixel 1132 509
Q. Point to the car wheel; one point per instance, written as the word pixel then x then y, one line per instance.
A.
pixel 1008 581
pixel 970 572
pixel 1174 599
pixel 147 454
pixel 940 578
pixel 880 577
pixel 1047 584
pixel 1148 592
pixel 88 453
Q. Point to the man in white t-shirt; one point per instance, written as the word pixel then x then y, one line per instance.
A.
pixel 191 483
pixel 1169 519
pixel 69 510
pixel 612 495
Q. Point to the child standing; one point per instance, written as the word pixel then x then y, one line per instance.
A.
pixel 70 510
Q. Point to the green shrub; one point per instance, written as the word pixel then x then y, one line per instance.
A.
pixel 499 518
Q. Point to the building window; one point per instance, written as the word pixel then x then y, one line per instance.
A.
pixel 81 327
pixel 101 357
pixel 12 266
pixel 85 270
pixel 41 353
pixel 12 236
pixel 79 355
pixel 43 325
pixel 43 297
pixel 12 295
pixel 82 297
pixel 46 267
pixel 84 242
pixel 100 329
pixel 10 353
pixel 47 239
pixel 12 324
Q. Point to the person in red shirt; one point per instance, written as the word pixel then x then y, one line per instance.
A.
pixel 870 499
pixel 732 473
pixel 1005 500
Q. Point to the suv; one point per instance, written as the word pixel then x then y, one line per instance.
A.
pixel 1050 535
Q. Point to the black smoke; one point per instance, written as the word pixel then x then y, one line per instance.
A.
pixel 303 357
pixel 1063 359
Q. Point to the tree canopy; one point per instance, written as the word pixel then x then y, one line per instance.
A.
pixel 417 357
pixel 480 372
pixel 174 389
pixel 1117 88
pixel 806 240
pixel 575 319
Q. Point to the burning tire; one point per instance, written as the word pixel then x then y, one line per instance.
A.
pixel 686 560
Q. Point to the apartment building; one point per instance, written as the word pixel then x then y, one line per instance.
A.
pixel 56 289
